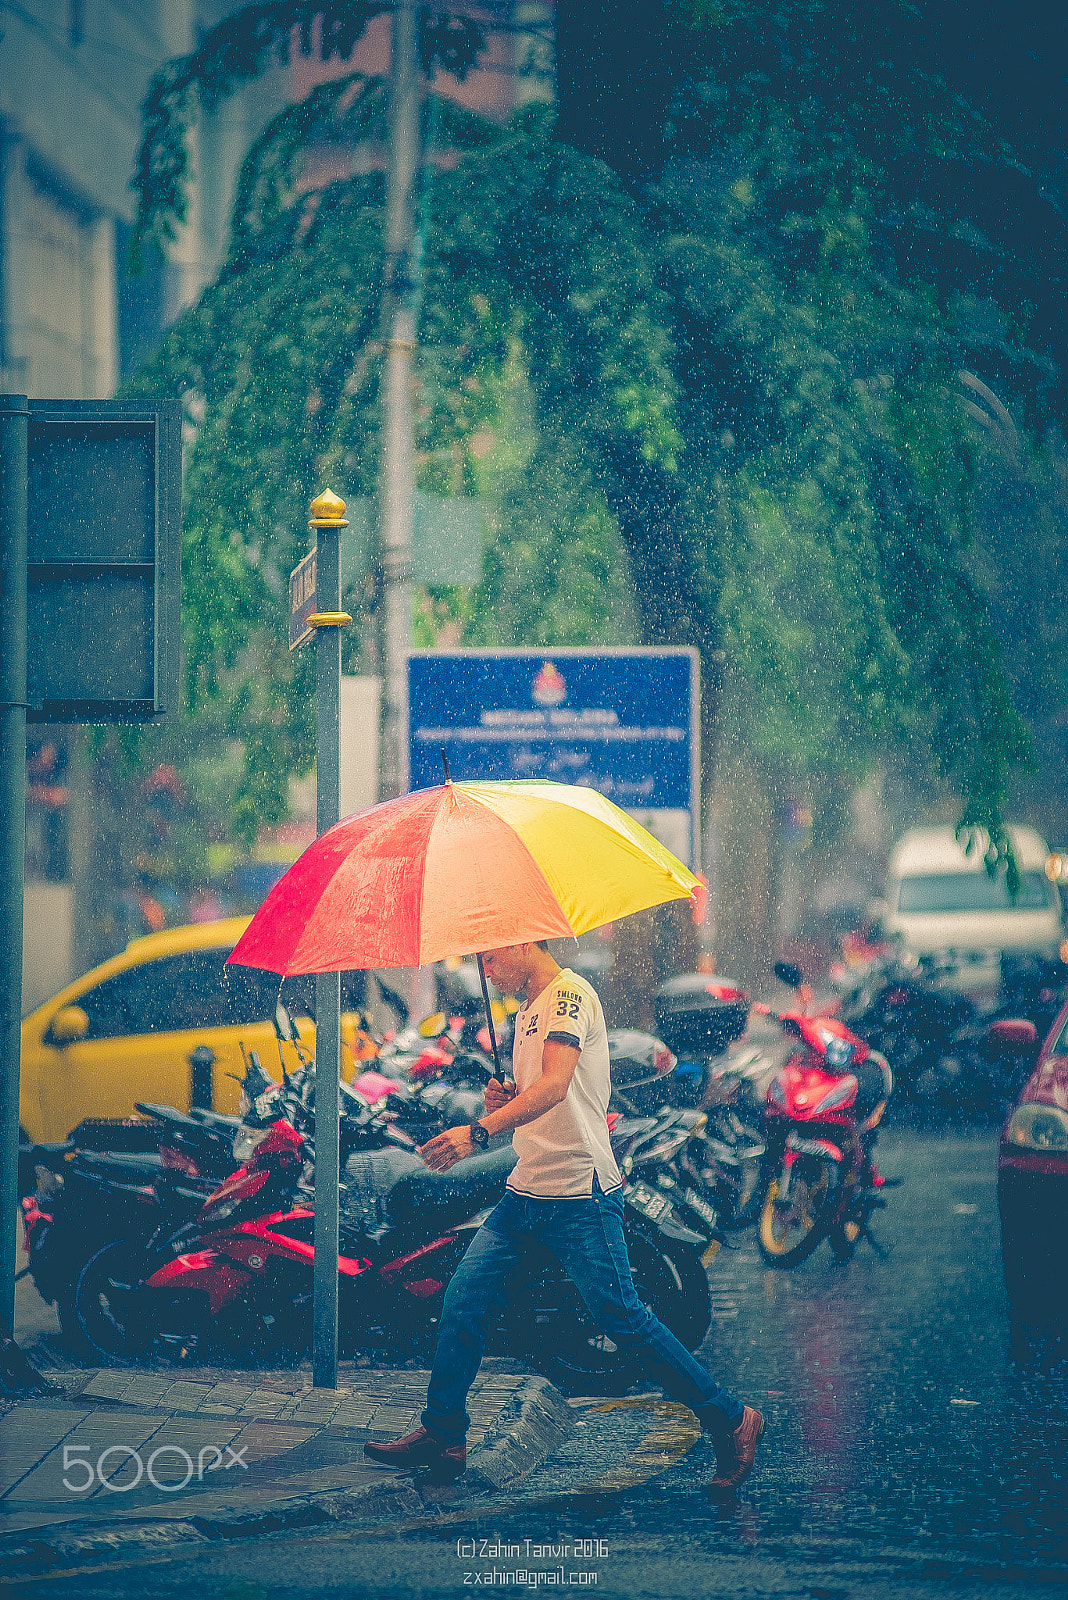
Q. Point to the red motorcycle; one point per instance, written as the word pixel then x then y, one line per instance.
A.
pixel 236 1280
pixel 236 1283
pixel 820 1118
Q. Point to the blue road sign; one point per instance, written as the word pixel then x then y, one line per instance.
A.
pixel 624 722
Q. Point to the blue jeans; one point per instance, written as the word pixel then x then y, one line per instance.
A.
pixel 586 1236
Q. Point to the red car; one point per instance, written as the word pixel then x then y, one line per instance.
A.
pixel 1033 1184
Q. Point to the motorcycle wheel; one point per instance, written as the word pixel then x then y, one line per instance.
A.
pixel 106 1300
pixel 566 1346
pixel 749 1198
pixel 790 1232
pixel 74 1339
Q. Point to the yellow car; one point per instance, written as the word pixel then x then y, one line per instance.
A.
pixel 126 1031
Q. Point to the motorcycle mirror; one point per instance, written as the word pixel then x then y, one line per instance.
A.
pixel 431 1026
pixel 283 1024
pixel 788 973
pixel 394 1001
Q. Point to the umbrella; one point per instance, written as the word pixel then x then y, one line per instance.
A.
pixel 457 870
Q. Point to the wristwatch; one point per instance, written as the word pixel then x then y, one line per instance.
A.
pixel 480 1136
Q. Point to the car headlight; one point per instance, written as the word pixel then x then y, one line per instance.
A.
pixel 1037 1127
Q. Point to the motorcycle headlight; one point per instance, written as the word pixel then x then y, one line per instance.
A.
pixel 1035 1127
pixel 665 1148
pixel 245 1142
pixel 838 1095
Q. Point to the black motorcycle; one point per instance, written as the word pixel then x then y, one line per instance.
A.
pixel 94 1196
pixel 906 1014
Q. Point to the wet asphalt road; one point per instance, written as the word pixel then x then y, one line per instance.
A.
pixel 917 1444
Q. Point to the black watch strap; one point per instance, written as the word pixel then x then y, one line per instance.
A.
pixel 479 1136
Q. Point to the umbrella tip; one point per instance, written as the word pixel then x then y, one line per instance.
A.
pixel 445 765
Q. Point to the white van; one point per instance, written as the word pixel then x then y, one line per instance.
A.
pixel 938 898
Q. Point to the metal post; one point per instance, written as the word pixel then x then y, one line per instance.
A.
pixel 14 429
pixel 327 519
pixel 397 470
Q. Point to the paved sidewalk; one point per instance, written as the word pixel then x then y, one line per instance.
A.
pixel 118 1457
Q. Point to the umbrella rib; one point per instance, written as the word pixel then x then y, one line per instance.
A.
pixel 422 878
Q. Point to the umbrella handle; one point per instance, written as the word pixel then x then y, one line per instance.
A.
pixel 489 1017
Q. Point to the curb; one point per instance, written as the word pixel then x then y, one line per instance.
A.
pixel 531 1426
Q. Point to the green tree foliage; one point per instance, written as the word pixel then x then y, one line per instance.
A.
pixel 729 386
pixel 829 441
pixel 956 115
pixel 239 49
pixel 542 330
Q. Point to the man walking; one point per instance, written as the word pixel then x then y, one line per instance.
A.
pixel 564 1193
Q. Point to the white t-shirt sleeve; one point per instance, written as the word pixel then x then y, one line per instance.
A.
pixel 571 1015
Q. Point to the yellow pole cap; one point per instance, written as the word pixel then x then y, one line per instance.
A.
pixel 328 511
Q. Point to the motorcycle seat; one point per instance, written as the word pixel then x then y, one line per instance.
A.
pixel 450 1197
pixel 368 1176
pixel 117 1166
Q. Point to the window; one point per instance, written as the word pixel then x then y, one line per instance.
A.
pixel 946 893
pixel 189 991
pixel 198 990
pixel 1059 1047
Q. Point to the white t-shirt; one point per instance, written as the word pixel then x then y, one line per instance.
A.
pixel 560 1151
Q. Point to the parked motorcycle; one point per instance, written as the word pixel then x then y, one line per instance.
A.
pixel 984 1066
pixel 903 1011
pixel 728 1162
pixel 437 1082
pixel 702 1016
pixel 664 1152
pixel 821 1114
pixel 1033 987
pixel 238 1280
pixel 94 1196
pixel 699 1016
pixel 941 1049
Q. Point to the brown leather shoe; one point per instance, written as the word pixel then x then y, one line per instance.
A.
pixel 420 1449
pixel 735 1453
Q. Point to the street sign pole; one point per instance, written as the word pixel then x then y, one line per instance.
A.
pixel 14 432
pixel 396 485
pixel 328 518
